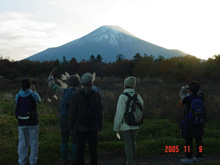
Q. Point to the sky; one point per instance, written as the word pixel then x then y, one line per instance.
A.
pixel 28 27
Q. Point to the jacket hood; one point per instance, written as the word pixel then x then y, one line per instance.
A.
pixel 25 93
pixel 129 90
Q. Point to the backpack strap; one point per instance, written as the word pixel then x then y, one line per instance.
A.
pixel 126 94
pixel 129 96
pixel 134 97
pixel 199 96
pixel 19 96
pixel 87 96
pixel 129 100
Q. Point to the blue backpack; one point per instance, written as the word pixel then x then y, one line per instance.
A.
pixel 26 108
pixel 197 113
pixel 65 101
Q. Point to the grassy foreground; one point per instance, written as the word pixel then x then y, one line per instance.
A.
pixel 152 138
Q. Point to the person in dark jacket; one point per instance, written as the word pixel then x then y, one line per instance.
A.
pixel 28 129
pixel 195 129
pixel 65 95
pixel 86 118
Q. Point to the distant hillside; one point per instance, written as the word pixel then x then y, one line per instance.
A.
pixel 108 41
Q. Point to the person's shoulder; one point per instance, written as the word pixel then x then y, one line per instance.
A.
pixel 96 93
pixel 186 100
pixel 35 94
pixel 201 94
pixel 123 96
pixel 96 88
pixel 138 95
pixel 76 93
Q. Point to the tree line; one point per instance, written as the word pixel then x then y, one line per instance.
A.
pixel 183 68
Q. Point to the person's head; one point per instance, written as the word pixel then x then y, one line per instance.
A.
pixel 87 79
pixel 25 84
pixel 73 80
pixel 194 87
pixel 130 82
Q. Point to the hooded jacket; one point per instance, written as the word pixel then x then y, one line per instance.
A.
pixel 25 93
pixel 119 123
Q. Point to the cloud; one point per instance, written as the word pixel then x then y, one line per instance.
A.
pixel 20 33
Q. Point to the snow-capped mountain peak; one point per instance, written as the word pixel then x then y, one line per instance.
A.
pixel 108 41
pixel 111 35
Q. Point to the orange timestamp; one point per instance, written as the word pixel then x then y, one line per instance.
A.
pixel 176 149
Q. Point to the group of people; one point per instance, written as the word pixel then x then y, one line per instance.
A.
pixel 81 111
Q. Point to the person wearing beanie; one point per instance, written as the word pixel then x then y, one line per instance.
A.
pixel 194 128
pixel 128 132
pixel 65 95
pixel 130 82
pixel 86 118
pixel 28 124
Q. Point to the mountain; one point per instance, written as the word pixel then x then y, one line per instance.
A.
pixel 108 41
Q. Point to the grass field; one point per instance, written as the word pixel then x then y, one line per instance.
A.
pixel 160 128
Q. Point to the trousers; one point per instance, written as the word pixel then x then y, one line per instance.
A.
pixel 65 135
pixel 28 135
pixel 195 131
pixel 129 137
pixel 91 138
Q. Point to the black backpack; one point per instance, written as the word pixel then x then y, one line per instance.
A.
pixel 26 108
pixel 88 115
pixel 134 111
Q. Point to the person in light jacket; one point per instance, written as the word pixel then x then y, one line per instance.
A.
pixel 128 132
pixel 28 123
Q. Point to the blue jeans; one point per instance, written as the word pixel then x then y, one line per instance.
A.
pixel 28 134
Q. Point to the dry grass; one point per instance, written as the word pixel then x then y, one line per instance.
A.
pixel 160 97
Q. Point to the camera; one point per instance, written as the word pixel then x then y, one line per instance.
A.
pixel 184 91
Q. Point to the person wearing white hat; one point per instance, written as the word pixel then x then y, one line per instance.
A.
pixel 127 131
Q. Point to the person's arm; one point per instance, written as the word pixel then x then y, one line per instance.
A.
pixel 100 110
pixel 57 89
pixel 120 111
pixel 72 112
pixel 203 98
pixel 141 101
pixel 186 103
pixel 37 97
pixel 16 98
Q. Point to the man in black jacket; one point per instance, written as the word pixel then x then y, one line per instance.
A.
pixel 86 118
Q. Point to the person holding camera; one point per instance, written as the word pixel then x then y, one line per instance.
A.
pixel 192 125
pixel 64 96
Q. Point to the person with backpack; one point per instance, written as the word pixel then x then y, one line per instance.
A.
pixel 86 118
pixel 129 117
pixel 28 129
pixel 192 125
pixel 65 95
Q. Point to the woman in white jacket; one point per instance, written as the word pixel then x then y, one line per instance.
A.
pixel 128 132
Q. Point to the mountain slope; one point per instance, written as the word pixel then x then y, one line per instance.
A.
pixel 108 41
